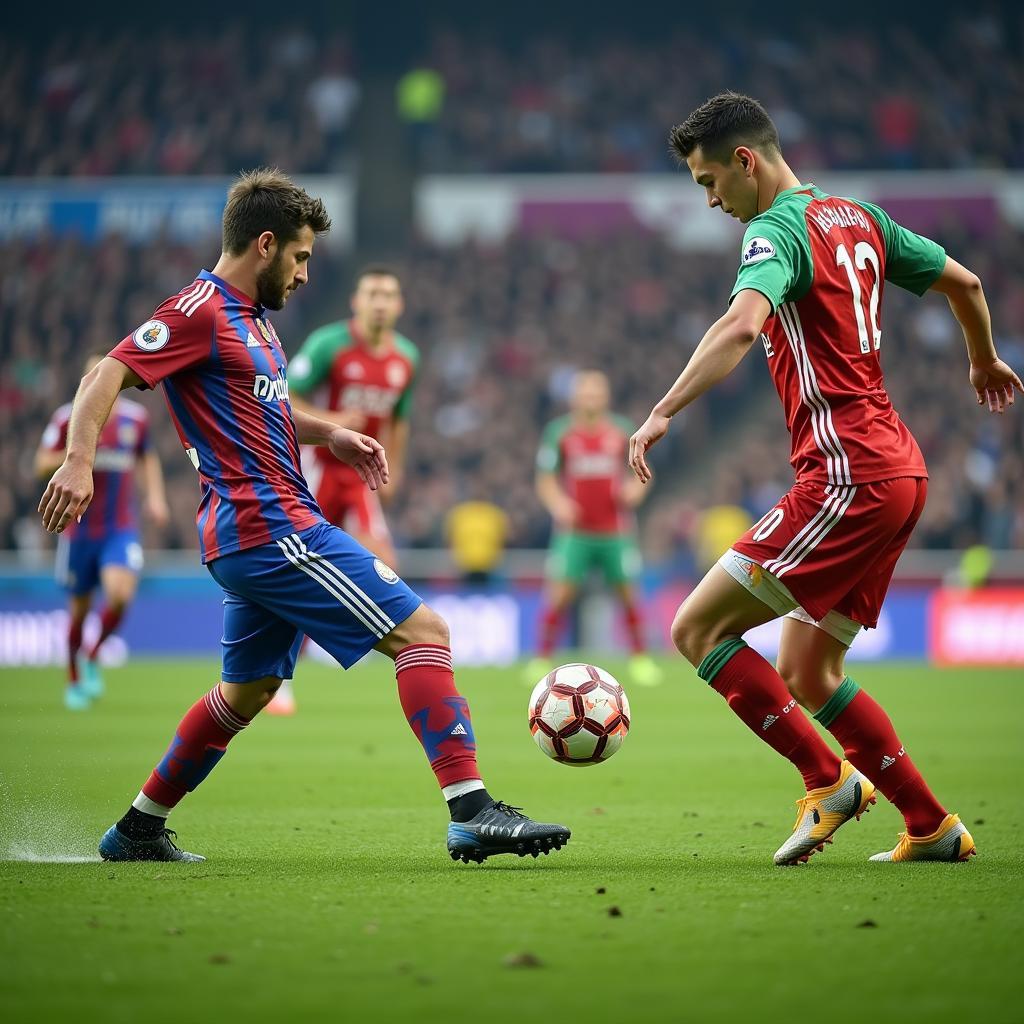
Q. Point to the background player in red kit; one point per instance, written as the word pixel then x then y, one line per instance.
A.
pixel 283 569
pixel 105 548
pixel 809 287
pixel 583 482
pixel 357 373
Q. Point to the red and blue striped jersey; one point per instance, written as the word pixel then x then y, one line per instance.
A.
pixel 122 442
pixel 223 372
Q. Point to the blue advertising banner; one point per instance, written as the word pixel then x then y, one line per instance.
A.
pixel 181 616
pixel 183 209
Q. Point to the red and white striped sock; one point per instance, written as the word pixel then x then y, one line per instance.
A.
pixel 200 741
pixel 436 712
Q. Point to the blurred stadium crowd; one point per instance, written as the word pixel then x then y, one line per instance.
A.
pixel 851 99
pixel 92 104
pixel 499 353
pixel 192 102
pixel 503 328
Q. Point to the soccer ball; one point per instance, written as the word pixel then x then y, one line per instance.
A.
pixel 579 714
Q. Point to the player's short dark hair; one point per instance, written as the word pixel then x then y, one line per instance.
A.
pixel 266 199
pixel 722 123
pixel 375 270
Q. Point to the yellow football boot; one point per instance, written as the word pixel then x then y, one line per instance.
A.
pixel 950 842
pixel 822 811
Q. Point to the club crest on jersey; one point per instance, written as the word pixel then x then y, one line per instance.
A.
pixel 264 330
pixel 385 572
pixel 152 336
pixel 759 249
pixel 270 389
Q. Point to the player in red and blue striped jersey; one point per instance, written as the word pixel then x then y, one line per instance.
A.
pixel 103 549
pixel 283 568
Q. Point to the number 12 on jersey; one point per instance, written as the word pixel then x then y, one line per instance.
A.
pixel 863 254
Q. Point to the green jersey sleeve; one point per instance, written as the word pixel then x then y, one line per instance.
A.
pixel 403 407
pixel 312 363
pixel 912 261
pixel 775 260
pixel 549 455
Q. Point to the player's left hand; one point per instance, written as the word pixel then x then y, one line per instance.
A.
pixel 994 384
pixel 654 429
pixel 363 453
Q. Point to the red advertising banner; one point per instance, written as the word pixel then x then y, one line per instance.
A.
pixel 977 627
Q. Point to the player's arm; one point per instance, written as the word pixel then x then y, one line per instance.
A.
pixel 70 489
pixel 563 510
pixel 363 453
pixel 918 264
pixel 153 484
pixel 353 419
pixel 398 445
pixel 727 341
pixel 993 381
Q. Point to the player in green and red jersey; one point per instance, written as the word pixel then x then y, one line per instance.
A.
pixel 358 373
pixel 583 482
pixel 809 287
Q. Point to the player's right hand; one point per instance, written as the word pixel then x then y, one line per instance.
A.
pixel 654 429
pixel 66 497
pixel 994 384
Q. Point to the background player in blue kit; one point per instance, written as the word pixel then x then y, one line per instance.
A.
pixel 104 549
pixel 283 568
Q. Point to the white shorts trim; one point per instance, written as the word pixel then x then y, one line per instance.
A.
pixel 837 625
pixel 767 588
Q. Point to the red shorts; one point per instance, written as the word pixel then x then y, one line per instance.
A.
pixel 352 506
pixel 835 547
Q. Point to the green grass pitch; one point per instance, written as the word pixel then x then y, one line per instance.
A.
pixel 328 894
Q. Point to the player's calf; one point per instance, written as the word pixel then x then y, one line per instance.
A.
pixel 439 716
pixel 199 743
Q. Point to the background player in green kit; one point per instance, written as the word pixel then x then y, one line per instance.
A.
pixel 583 482
pixel 809 288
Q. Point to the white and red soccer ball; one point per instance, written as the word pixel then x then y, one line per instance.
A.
pixel 579 714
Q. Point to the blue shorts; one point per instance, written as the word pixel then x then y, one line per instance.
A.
pixel 319 582
pixel 80 560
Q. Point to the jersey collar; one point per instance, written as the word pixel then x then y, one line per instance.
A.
pixel 205 275
pixel 809 187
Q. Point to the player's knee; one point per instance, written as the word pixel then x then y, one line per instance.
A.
pixel 811 685
pixel 430 628
pixel 690 636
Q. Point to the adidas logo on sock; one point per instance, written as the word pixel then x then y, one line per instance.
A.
pixel 459 730
pixel 887 761
pixel 769 721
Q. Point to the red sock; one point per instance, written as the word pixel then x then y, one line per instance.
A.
pixel 110 619
pixel 872 746
pixel 759 697
pixel 550 627
pixel 74 646
pixel 635 629
pixel 198 744
pixel 436 712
